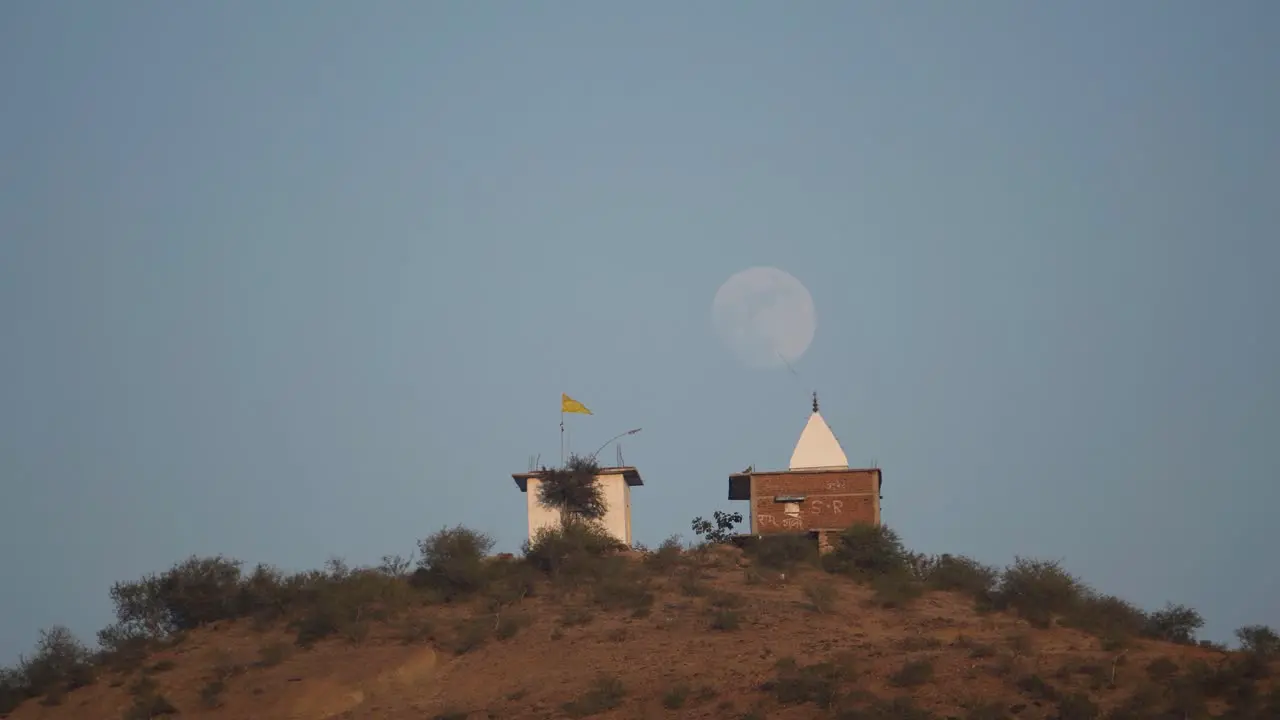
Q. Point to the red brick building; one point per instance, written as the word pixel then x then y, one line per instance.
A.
pixel 818 493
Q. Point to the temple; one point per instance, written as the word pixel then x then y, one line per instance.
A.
pixel 818 494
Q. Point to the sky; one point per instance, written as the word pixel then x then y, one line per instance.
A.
pixel 286 281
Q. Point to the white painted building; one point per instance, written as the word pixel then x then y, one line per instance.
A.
pixel 616 482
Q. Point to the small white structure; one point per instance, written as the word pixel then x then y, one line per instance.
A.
pixel 616 482
pixel 818 447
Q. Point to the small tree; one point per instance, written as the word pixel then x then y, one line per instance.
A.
pixel 192 593
pixel 1038 590
pixel 867 551
pixel 60 663
pixel 1259 640
pixel 13 689
pixel 1174 623
pixel 452 561
pixel 721 531
pixel 573 490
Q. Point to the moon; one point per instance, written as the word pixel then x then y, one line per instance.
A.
pixel 765 317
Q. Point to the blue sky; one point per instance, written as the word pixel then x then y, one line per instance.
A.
pixel 291 280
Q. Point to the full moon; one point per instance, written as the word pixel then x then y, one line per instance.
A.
pixel 765 316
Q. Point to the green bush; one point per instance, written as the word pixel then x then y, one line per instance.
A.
pixel 1038 590
pixel 1259 640
pixel 797 684
pixel 573 490
pixel 960 574
pixel 13 689
pixel 620 587
pixel 1077 706
pixel 784 551
pixel 912 673
pixel 452 561
pixel 194 592
pixel 668 556
pixel 895 591
pixel 724 618
pixel 266 594
pixel 1161 669
pixel 605 693
pixel 572 549
pixel 60 663
pixel 1173 623
pixel 822 596
pixel 721 531
pixel 1105 616
pixel 344 601
pixel 865 551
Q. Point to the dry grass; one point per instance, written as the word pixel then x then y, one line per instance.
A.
pixel 578 630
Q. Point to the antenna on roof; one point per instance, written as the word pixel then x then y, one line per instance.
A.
pixel 815 401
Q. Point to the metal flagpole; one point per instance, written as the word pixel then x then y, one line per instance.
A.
pixel 561 433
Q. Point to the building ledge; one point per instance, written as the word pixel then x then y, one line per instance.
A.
pixel 628 473
pixel 740 483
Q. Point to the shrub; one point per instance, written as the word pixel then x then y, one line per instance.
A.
pixel 719 532
pixel 273 654
pixel 1106 616
pixel 1173 623
pixel 470 634
pixel 345 601
pixel 822 595
pixel 1259 640
pixel 571 550
pixel 194 592
pixel 620 588
pixel 13 689
pixel 668 555
pixel 1077 706
pixel 396 566
pixel 453 561
pixel 266 595
pixel 1161 669
pixel 912 673
pixel 865 552
pixel 960 574
pixel 797 684
pixel 784 551
pixel 60 664
pixel 509 625
pixel 1038 590
pixel 605 693
pixel 674 698
pixel 573 616
pixel 895 591
pixel 1037 688
pixel 725 619
pixel 199 591
pixel 574 490
pixel 212 693
pixel 148 706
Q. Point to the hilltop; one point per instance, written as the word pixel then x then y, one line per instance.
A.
pixel 579 627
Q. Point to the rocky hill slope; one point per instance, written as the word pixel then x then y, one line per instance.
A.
pixel 713 633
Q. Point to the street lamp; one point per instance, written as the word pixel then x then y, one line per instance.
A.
pixel 615 437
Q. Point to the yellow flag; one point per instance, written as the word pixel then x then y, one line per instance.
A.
pixel 569 405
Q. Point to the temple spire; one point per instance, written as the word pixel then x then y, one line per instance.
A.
pixel 818 446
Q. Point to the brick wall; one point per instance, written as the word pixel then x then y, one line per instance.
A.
pixel 833 499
